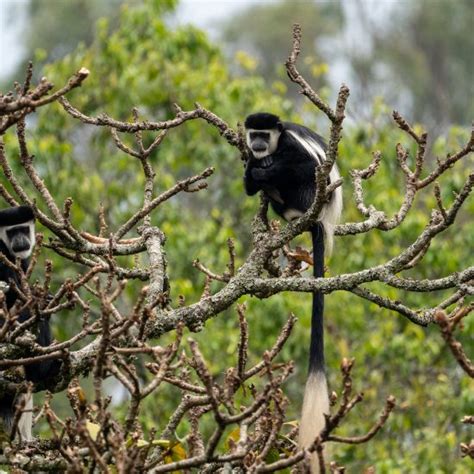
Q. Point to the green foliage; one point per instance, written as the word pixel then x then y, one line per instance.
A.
pixel 146 64
pixel 57 28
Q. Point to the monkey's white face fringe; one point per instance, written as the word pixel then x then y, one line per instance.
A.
pixel 271 146
pixel 25 253
pixel 315 405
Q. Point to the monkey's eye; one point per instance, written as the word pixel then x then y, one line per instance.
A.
pixel 23 230
pixel 262 135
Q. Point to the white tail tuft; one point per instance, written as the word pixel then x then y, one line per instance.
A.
pixel 315 405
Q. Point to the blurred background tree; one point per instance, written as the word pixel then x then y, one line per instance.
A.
pixel 258 29
pixel 137 58
pixel 419 58
pixel 54 28
pixel 417 55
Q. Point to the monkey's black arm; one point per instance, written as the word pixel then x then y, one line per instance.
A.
pixel 276 175
pixel 251 186
pixel 284 170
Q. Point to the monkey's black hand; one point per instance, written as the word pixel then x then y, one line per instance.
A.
pixel 266 161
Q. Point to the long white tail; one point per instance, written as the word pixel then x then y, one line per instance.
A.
pixel 315 405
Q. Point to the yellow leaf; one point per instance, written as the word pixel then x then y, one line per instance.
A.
pixel 162 443
pixel 234 435
pixel 178 453
pixel 93 429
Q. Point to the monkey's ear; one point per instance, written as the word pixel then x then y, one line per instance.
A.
pixel 279 126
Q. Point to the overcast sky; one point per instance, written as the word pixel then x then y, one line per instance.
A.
pixel 10 49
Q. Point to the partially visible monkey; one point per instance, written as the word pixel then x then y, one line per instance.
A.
pixel 17 240
pixel 283 162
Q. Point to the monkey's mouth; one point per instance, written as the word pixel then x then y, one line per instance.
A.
pixel 20 248
pixel 22 254
pixel 260 154
pixel 20 244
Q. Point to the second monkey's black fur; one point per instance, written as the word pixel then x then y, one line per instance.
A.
pixel 17 231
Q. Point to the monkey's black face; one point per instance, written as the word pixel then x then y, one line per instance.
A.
pixel 19 238
pixel 259 141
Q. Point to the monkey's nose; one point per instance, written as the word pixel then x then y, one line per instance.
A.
pixel 259 146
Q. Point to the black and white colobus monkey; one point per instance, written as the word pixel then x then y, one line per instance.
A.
pixel 17 239
pixel 283 162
